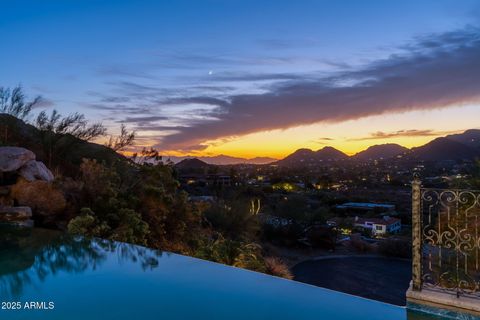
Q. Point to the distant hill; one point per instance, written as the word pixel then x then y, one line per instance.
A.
pixel 261 160
pixel 224 160
pixel 380 151
pixel 444 149
pixel 298 158
pixel 305 157
pixel 192 164
pixel 330 153
pixel 470 138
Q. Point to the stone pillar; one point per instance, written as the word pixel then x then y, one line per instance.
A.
pixel 416 235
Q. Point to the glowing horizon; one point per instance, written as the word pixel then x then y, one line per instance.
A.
pixel 349 137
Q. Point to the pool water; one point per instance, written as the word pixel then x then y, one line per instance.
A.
pixel 98 279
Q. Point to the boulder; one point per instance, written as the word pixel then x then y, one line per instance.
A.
pixel 29 223
pixel 15 213
pixel 5 199
pixel 4 191
pixel 35 170
pixel 13 158
pixel 43 197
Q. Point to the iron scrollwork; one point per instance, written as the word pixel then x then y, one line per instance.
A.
pixel 451 241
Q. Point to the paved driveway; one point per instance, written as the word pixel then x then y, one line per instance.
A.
pixel 377 278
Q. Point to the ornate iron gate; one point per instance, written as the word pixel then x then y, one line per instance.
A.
pixel 446 240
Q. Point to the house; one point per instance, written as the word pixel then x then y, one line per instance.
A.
pixel 379 226
pixel 367 206
pixel 219 180
pixel 201 199
pixel 362 208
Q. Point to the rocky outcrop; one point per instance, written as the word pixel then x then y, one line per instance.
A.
pixel 19 216
pixel 15 213
pixel 27 183
pixel 36 170
pixel 5 200
pixel 22 162
pixel 13 158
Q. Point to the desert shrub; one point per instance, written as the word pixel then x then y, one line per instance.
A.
pixel 100 184
pixel 130 227
pixel 42 196
pixel 125 225
pixel 276 267
pixel 141 205
pixel 87 224
pixel 157 197
pixel 219 250
pixel 233 219
pixel 230 252
pixel 250 257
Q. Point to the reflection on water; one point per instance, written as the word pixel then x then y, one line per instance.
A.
pixel 28 255
pixel 97 279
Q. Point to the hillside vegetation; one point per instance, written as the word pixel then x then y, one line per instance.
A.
pixel 104 194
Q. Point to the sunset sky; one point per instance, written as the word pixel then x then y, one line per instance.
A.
pixel 251 78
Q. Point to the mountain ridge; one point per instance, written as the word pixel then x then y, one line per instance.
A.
pixel 381 151
pixel 459 146
pixel 444 148
pixel 222 159
pixel 307 157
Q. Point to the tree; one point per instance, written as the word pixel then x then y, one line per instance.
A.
pixel 74 124
pixel 123 140
pixel 87 224
pixel 147 156
pixel 234 219
pixel 59 134
pixel 475 180
pixel 13 102
pixel 293 207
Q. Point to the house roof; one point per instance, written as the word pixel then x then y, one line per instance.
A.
pixel 365 205
pixel 386 221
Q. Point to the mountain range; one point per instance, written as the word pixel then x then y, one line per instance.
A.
pixel 222 159
pixel 462 146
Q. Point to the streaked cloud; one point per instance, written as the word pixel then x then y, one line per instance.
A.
pixel 323 140
pixel 435 71
pixel 147 119
pixel 402 134
pixel 431 72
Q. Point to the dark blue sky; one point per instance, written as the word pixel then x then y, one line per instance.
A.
pixel 117 60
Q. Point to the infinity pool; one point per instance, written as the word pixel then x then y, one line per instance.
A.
pixel 97 279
